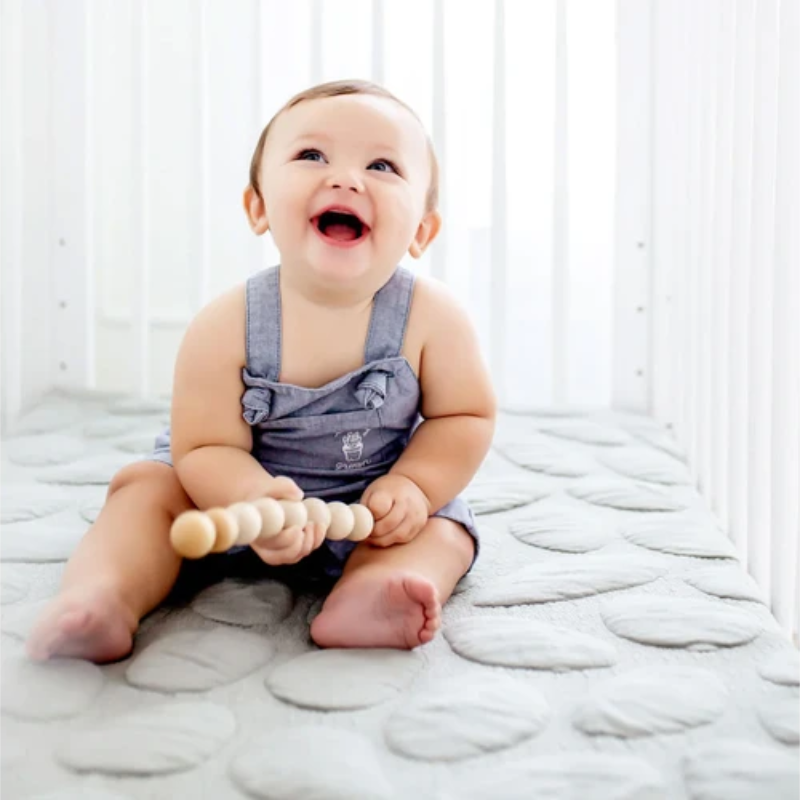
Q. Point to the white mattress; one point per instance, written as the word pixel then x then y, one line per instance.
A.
pixel 607 645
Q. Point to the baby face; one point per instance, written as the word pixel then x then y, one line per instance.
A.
pixel 344 182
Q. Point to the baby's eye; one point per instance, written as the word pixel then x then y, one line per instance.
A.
pixel 310 155
pixel 383 165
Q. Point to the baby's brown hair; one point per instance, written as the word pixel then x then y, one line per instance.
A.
pixel 334 89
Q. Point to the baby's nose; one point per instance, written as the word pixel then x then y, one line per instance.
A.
pixel 346 180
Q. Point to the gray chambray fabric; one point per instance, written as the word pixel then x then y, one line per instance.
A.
pixel 334 440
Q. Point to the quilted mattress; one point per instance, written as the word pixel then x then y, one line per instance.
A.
pixel 607 645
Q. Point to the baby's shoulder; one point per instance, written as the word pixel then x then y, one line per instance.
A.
pixel 227 307
pixel 431 294
pixel 434 307
pixel 435 316
pixel 221 324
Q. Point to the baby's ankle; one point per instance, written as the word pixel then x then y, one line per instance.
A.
pixel 101 595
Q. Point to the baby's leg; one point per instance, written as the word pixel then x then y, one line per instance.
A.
pixel 123 568
pixel 393 596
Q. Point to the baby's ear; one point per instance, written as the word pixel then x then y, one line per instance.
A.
pixel 256 211
pixel 426 232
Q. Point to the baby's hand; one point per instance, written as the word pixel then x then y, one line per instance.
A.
pixel 292 544
pixel 400 509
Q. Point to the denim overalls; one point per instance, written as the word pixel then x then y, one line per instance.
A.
pixel 333 441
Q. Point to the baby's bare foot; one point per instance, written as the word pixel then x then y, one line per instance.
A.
pixel 93 624
pixel 399 610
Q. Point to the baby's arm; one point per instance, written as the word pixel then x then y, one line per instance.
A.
pixel 458 407
pixel 458 402
pixel 211 442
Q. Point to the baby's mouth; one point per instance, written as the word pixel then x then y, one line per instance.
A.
pixel 339 227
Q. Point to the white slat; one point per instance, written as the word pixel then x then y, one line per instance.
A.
pixel 739 270
pixel 721 255
pixel 202 269
pixel 438 134
pixel 378 47
pixel 631 373
pixel 12 174
pixel 316 41
pixel 706 298
pixel 140 200
pixel 688 287
pixel 785 366
pixel 499 233
pixel 560 266
pixel 762 249
pixel 668 101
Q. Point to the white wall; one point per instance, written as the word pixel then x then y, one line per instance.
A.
pixel 150 111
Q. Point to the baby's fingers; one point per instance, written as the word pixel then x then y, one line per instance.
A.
pixel 283 488
pixel 277 549
pixel 384 527
pixel 379 503
pixel 319 534
pixel 311 538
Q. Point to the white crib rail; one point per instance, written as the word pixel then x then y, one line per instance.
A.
pixel 727 269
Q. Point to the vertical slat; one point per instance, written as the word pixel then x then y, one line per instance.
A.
pixel 378 49
pixel 695 240
pixel 708 151
pixel 631 372
pixel 267 103
pixel 785 377
pixel 697 317
pixel 202 274
pixel 12 170
pixel 688 303
pixel 738 314
pixel 139 200
pixel 316 41
pixel 668 96
pixel 438 133
pixel 560 284
pixel 760 291
pixel 90 267
pixel 499 234
pixel 72 310
pixel 721 256
pixel 681 268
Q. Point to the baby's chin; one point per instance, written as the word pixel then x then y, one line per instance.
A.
pixel 342 265
pixel 362 275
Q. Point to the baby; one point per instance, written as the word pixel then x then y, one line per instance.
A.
pixel 336 375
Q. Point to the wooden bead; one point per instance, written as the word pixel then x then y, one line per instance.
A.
pixel 342 521
pixel 295 513
pixel 226 529
pixel 193 534
pixel 318 511
pixel 364 523
pixel 249 521
pixel 272 517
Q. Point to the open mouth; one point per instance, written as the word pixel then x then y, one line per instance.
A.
pixel 340 228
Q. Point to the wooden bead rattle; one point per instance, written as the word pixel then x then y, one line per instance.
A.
pixel 195 534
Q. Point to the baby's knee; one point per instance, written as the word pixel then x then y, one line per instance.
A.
pixel 456 538
pixel 159 481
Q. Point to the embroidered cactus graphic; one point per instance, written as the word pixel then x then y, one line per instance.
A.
pixel 353 444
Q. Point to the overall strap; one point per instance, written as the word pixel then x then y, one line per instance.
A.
pixel 264 324
pixel 390 309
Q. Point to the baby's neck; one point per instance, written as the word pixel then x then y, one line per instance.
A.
pixel 295 288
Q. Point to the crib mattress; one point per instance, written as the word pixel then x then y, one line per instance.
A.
pixel 606 646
